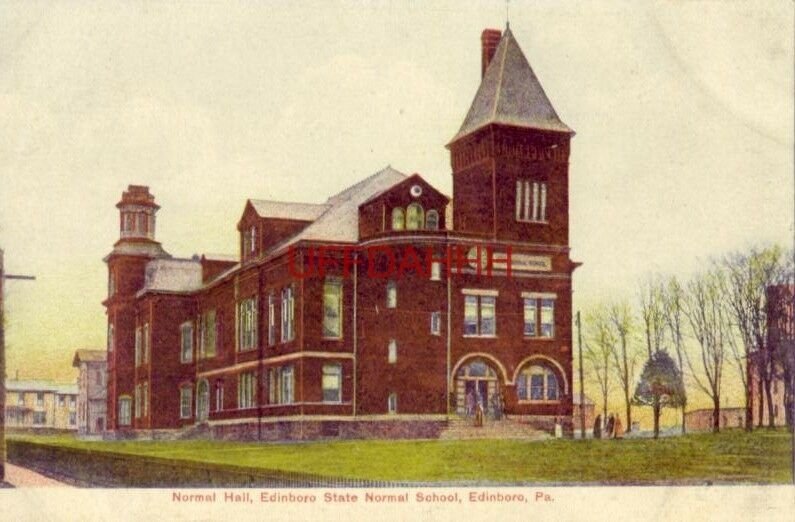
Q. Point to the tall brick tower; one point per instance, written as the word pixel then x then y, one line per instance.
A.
pixel 126 271
pixel 510 156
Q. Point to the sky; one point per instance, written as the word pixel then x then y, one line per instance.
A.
pixel 683 113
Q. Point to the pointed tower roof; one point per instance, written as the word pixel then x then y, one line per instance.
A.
pixel 510 94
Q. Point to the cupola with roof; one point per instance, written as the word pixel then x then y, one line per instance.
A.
pixel 510 155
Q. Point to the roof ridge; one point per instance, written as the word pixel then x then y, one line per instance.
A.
pixel 362 181
pixel 286 202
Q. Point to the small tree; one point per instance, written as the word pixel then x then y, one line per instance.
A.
pixel 661 386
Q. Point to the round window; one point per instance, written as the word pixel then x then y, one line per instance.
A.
pixel 416 191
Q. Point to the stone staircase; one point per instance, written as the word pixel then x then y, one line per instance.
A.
pixel 462 428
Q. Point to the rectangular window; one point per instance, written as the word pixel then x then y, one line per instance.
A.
pixel 145 398
pixel 185 402
pixel 332 383
pixel 137 401
pixel 39 417
pixel 98 378
pixel 392 352
pixel 186 353
pixel 391 294
pixel 138 346
pixel 547 318
pixel 208 335
pixel 271 320
pixel 436 271
pixel 281 385
pixel 436 323
pixel 219 396
pixel 537 387
pixel 125 412
pixel 480 315
pixel 73 418
pixel 391 403
pixel 72 402
pixel 62 401
pixel 332 309
pixel 531 201
pixel 246 390
pixel 145 341
pixel 530 311
pixel 21 399
pixel 288 314
pixel 39 399
pixel 247 324
pixel 110 338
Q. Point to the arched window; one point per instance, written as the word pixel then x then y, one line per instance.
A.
pixel 537 383
pixel 432 220
pixel 398 219
pixel 415 217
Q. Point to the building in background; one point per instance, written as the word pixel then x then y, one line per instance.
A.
pixel 41 406
pixel 360 316
pixel 588 408
pixel 701 419
pixel 92 394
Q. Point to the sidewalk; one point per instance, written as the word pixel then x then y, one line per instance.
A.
pixel 25 478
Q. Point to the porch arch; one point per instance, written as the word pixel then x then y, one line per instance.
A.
pixel 548 361
pixel 479 355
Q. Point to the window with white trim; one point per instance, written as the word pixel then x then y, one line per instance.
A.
pixel 432 220
pixel 145 398
pixel 288 314
pixel 145 342
pixel 479 315
pixel 391 357
pixel 246 390
pixel 539 316
pixel 391 403
pixel 537 383
pixel 185 402
pixel 247 324
pixel 398 219
pixel 271 320
pixel 125 413
pixel 391 294
pixel 436 323
pixel 332 309
pixel 436 271
pixel 531 201
pixel 219 395
pixel 138 401
pixel 332 383
pixel 415 217
pixel 138 346
pixel 186 342
pixel 281 385
pixel 111 340
pixel 208 334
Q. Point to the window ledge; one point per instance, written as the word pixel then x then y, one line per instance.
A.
pixel 476 336
pixel 544 401
pixel 537 338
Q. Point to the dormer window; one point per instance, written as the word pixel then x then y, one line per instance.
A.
pixel 432 220
pixel 398 219
pixel 531 201
pixel 415 217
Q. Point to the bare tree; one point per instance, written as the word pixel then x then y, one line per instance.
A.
pixel 653 314
pixel 672 307
pixel 704 308
pixel 625 357
pixel 748 276
pixel 599 349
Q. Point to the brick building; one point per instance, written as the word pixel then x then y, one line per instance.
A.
pixel 373 313
pixel 92 391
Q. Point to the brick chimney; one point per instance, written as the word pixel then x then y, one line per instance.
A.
pixel 489 40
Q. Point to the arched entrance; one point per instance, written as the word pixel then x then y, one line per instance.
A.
pixel 202 401
pixel 476 383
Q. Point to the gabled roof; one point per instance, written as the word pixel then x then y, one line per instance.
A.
pixel 340 222
pixel 413 178
pixel 285 210
pixel 510 94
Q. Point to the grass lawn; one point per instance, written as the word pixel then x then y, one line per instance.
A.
pixel 731 456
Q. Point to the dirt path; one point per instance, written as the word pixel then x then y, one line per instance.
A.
pixel 25 478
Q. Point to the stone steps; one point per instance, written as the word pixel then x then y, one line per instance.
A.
pixel 492 429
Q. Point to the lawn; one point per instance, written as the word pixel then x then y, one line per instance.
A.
pixel 730 456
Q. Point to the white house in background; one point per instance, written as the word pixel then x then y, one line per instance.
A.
pixel 92 395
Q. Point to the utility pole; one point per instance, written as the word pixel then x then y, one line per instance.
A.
pixel 3 277
pixel 582 380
